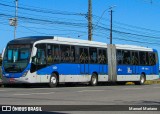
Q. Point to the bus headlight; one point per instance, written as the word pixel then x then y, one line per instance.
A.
pixel 25 73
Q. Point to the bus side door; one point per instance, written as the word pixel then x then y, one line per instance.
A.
pixel 84 59
pixel 135 62
pixel 103 61
pixel 152 63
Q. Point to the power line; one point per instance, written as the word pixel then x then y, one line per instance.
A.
pixel 45 11
pixel 102 31
pixel 47 21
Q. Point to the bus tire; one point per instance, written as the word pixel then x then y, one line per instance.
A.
pixel 53 80
pixel 142 80
pixel 94 80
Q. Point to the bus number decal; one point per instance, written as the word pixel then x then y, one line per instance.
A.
pixel 54 67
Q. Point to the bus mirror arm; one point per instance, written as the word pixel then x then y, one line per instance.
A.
pixel 34 52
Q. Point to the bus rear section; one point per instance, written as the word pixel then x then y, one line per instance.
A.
pixel 133 64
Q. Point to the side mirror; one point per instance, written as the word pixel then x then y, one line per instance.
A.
pixel 34 52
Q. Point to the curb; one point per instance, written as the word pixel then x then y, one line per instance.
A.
pixel 0 83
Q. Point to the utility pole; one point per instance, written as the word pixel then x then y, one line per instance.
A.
pixel 90 20
pixel 16 18
pixel 111 11
pixel 13 21
pixel 111 26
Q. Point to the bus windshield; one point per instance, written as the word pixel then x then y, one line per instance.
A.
pixel 16 58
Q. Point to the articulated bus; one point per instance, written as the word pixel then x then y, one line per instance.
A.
pixel 54 60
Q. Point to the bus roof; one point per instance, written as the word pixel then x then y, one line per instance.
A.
pixel 133 47
pixel 29 39
pixel 71 41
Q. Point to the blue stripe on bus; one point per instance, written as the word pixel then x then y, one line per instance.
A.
pixel 77 69
pixel 74 69
pixel 133 70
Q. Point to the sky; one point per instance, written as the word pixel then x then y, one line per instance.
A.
pixel 135 22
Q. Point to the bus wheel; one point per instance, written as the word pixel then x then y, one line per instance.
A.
pixel 53 80
pixel 94 80
pixel 142 80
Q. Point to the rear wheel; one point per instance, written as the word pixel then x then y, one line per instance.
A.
pixel 94 80
pixel 142 80
pixel 53 80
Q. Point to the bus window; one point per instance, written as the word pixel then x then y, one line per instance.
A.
pixel 144 58
pixel 65 53
pixel 119 57
pixel 102 56
pixel 147 58
pixel 72 54
pixel 24 54
pixel 77 54
pixel 13 55
pixel 93 55
pixel 152 59
pixel 41 56
pixel 135 58
pixel 49 54
pixel 56 53
pixel 126 57
pixel 9 55
pixel 83 55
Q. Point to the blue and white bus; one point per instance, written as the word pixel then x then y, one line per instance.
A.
pixel 55 60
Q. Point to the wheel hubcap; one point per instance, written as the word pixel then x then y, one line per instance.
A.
pixel 53 80
pixel 94 80
pixel 142 80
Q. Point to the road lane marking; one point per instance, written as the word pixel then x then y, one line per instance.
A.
pixel 156 87
pixel 35 93
pixel 22 94
pixel 91 91
pixel 58 88
pixel 2 90
pixel 132 88
pixel 43 93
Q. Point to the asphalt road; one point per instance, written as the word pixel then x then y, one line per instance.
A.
pixel 83 95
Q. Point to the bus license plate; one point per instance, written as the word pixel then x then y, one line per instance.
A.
pixel 11 80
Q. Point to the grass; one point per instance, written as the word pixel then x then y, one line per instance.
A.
pixel 153 82
pixel 147 82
